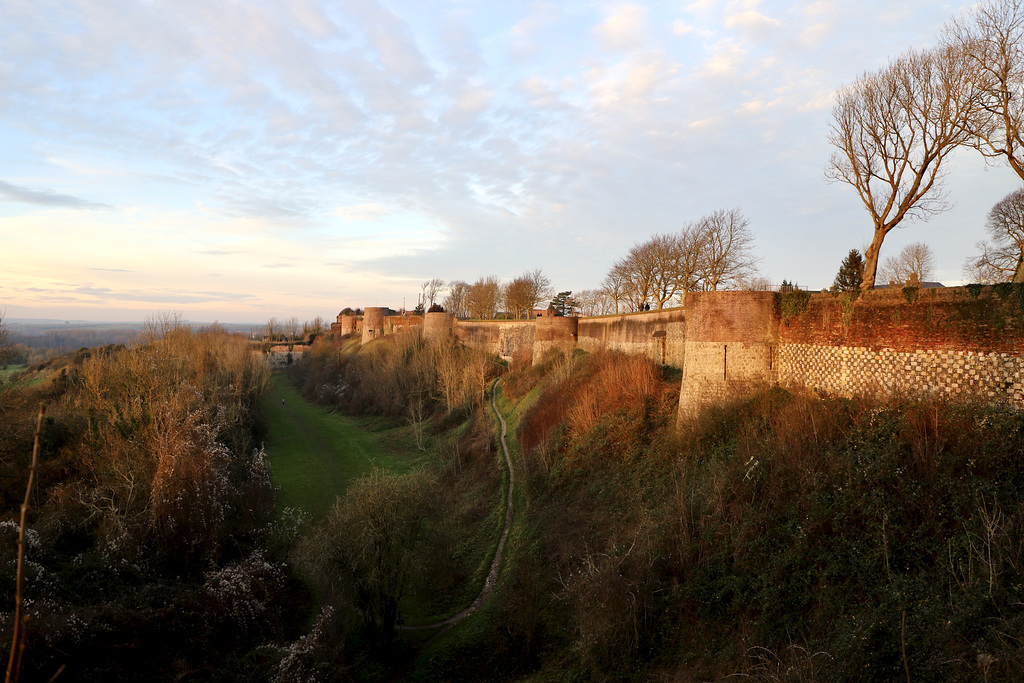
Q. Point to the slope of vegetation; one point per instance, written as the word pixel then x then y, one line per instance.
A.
pixel 148 528
pixel 785 537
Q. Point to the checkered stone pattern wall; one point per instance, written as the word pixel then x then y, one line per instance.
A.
pixel 992 377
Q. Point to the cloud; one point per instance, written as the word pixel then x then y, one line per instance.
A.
pixel 362 212
pixel 681 28
pixel 752 21
pixel 623 29
pixel 113 270
pixel 216 252
pixel 522 35
pixel 47 198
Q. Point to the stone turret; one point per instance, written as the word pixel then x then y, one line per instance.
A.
pixel 373 323
pixel 437 325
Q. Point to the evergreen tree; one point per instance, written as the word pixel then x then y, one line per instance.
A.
pixel 851 273
pixel 564 304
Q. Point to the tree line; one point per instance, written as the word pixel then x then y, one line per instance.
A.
pixel 712 253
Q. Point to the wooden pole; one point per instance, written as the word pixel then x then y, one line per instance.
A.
pixel 18 638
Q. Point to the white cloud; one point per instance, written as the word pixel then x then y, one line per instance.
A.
pixel 523 34
pixel 815 35
pixel 624 28
pixel 362 212
pixel 632 80
pixel 752 22
pixel 681 28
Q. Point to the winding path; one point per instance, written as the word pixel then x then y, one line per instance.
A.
pixel 492 576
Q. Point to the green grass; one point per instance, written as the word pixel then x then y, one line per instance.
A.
pixel 315 454
pixel 8 374
pixel 8 371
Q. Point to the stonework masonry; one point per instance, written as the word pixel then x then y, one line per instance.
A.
pixel 373 324
pixel 729 348
pixel 857 370
pixel 658 335
pixel 554 333
pixel 957 342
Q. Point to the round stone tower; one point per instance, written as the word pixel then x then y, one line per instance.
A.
pixel 373 323
pixel 348 323
pixel 437 325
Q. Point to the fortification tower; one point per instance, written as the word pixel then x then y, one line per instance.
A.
pixel 730 343
pixel 373 323
pixel 555 332
pixel 437 325
pixel 348 323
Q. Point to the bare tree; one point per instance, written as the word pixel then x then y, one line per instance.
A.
pixel 713 253
pixel 272 329
pixel 457 299
pixel 914 263
pixel 638 272
pixel 892 130
pixel 540 287
pixel 593 302
pixel 430 290
pixel 314 326
pixel 483 298
pixel 991 38
pixel 614 289
pixel 676 260
pixel 525 292
pixel 724 250
pixel 1001 259
pixel 517 298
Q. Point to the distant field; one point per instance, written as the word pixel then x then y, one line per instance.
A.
pixel 10 370
pixel 314 454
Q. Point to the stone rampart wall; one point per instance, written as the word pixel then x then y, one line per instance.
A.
pixel 989 319
pixel 554 333
pixel 393 324
pixel 658 335
pixel 956 342
pixel 516 339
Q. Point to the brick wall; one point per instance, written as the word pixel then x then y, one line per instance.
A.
pixel 951 318
pixel 956 342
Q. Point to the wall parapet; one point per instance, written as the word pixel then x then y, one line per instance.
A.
pixel 958 342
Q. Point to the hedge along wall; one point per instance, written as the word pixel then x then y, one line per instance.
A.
pixel 959 342
pixel 658 335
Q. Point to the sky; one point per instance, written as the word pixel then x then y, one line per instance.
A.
pixel 247 159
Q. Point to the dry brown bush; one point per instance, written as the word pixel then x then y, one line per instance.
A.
pixel 166 423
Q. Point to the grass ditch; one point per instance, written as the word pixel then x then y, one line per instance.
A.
pixel 315 453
